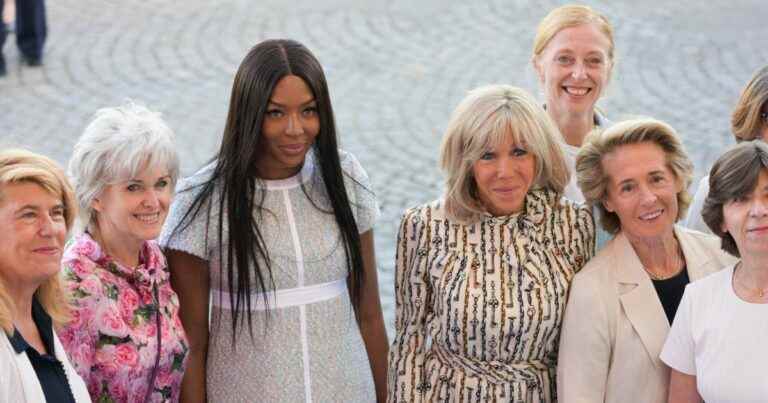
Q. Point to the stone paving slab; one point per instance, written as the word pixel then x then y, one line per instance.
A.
pixel 396 70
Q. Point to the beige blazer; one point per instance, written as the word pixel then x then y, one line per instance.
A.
pixel 615 326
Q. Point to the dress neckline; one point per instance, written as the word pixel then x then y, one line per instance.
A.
pixel 301 177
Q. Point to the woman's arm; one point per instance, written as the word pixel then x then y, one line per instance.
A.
pixel 189 278
pixel 413 304
pixel 371 320
pixel 682 388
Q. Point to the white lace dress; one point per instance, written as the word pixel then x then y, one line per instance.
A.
pixel 309 349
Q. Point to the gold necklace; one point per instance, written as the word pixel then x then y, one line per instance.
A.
pixel 761 292
pixel 679 263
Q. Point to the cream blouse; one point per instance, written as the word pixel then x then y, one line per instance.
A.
pixel 479 307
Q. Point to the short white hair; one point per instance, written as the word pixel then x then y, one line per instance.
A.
pixel 116 145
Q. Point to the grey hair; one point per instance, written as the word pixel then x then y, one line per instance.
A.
pixel 117 144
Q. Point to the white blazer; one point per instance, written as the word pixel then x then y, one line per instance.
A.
pixel 615 326
pixel 18 380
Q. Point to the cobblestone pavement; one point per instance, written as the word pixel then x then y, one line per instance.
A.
pixel 396 70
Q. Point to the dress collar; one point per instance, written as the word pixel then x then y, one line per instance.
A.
pixel 149 272
pixel 44 327
pixel 307 169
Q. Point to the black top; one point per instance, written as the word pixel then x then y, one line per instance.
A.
pixel 49 370
pixel 670 292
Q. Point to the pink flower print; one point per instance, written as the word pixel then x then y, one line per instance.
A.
pixel 146 298
pixel 79 268
pixel 86 247
pixel 129 303
pixel 106 364
pixel 110 322
pixel 91 285
pixel 126 355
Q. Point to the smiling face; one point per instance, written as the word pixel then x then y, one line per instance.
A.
pixel 574 68
pixel 290 126
pixel 641 190
pixel 503 175
pixel 134 210
pixel 746 219
pixel 34 230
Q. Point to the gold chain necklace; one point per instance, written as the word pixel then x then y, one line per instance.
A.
pixel 679 264
pixel 761 292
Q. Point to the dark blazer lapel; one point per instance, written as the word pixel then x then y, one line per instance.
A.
pixel 639 299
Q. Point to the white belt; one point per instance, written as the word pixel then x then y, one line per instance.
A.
pixel 285 298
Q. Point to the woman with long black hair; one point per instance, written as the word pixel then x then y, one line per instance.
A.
pixel 276 230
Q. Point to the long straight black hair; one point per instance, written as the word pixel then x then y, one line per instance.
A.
pixel 235 174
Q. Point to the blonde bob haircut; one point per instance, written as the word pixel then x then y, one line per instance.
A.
pixel 567 16
pixel 746 121
pixel 593 179
pixel 21 166
pixel 480 122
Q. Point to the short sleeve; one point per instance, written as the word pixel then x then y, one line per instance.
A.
pixel 679 349
pixel 694 220
pixel 187 227
pixel 365 205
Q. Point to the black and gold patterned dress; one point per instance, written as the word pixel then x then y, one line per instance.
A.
pixel 479 306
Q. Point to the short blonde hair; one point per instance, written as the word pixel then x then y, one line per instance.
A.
pixel 593 180
pixel 21 166
pixel 482 120
pixel 567 16
pixel 746 121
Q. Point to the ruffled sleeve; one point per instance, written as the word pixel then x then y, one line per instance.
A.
pixel 365 205
pixel 413 299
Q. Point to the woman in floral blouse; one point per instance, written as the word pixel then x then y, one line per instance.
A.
pixel 125 339
pixel 482 274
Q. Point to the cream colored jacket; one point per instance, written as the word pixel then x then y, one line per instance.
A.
pixel 615 326
pixel 18 380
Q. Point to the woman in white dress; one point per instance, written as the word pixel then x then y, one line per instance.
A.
pixel 749 121
pixel 277 230
pixel 716 347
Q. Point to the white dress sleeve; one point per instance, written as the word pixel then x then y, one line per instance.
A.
pixel 679 350
pixel 190 231
pixel 694 220
pixel 365 205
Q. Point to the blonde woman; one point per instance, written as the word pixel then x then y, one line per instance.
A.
pixel 635 175
pixel 37 208
pixel 573 56
pixel 483 273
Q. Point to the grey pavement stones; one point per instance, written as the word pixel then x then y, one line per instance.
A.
pixel 396 70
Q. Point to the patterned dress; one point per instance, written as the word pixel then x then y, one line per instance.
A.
pixel 308 347
pixel 479 306
pixel 112 339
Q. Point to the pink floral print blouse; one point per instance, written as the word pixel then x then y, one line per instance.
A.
pixel 112 339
